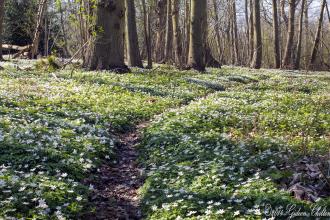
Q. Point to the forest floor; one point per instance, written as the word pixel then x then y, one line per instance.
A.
pixel 163 144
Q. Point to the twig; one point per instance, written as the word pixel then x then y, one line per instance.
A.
pixel 77 52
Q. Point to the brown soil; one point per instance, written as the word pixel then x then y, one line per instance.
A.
pixel 116 187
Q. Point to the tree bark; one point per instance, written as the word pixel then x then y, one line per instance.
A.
pixel 317 36
pixel 177 35
pixel 2 11
pixel 160 32
pixel 147 33
pixel 198 22
pixel 235 32
pixel 217 27
pixel 277 55
pixel 251 40
pixel 287 59
pixel 65 36
pixel 246 13
pixel 300 33
pixel 36 36
pixel 132 44
pixel 257 55
pixel 169 33
pixel 108 51
pixel 306 48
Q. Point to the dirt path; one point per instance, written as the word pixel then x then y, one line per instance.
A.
pixel 116 189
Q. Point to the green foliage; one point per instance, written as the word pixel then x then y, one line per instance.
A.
pixel 222 157
pixel 55 130
pixel 49 64
pixel 19 21
pixel 217 157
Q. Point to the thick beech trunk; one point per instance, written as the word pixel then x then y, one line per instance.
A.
pixel 197 45
pixel 132 44
pixel 108 51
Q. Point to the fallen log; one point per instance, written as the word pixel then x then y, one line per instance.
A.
pixel 15 47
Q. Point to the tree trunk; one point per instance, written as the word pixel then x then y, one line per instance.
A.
pixel 169 33
pixel 132 44
pixel 217 27
pixel 251 40
pixel 235 34
pixel 46 35
pixel 306 48
pixel 2 11
pixel 317 36
pixel 147 33
pixel 198 23
pixel 108 51
pixel 36 36
pixel 287 59
pixel 177 35
pixel 300 33
pixel 65 36
pixel 277 55
pixel 246 13
pixel 160 32
pixel 257 55
pixel 283 15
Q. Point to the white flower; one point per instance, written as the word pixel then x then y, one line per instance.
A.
pixel 79 198
pixel 257 212
pixel 59 215
pixel 42 204
pixel 64 175
pixel 236 213
pixel 191 213
pixel 220 212
pixel 22 189
pixel 208 212
pixel 2 183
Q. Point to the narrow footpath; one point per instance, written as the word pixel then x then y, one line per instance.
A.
pixel 116 190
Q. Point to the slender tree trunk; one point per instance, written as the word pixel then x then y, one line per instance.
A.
pixel 251 32
pixel 176 32
pixel 217 27
pixel 38 29
pixel 287 59
pixel 300 33
pixel 132 44
pixel 108 51
pixel 198 21
pixel 246 9
pixel 2 11
pixel 235 34
pixel 169 33
pixel 317 36
pixel 306 24
pixel 283 15
pixel 257 56
pixel 65 36
pixel 328 13
pixel 46 32
pixel 160 31
pixel 147 33
pixel 277 55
